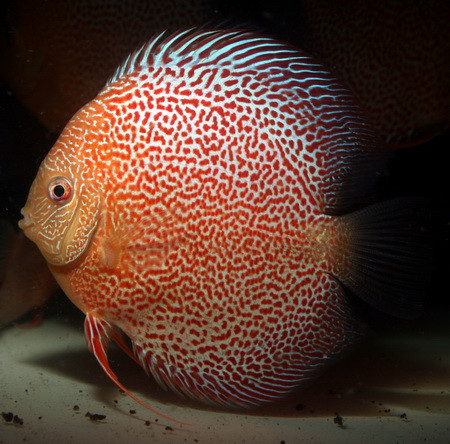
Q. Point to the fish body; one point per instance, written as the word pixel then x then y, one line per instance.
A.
pixel 198 205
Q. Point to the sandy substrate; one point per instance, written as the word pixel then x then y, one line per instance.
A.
pixel 394 388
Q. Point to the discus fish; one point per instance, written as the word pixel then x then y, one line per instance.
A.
pixel 200 204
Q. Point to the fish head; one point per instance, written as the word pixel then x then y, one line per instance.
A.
pixel 63 205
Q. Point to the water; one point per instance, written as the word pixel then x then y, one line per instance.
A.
pixel 400 370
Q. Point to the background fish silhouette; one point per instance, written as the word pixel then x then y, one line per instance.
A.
pixel 393 55
pixel 201 204
pixel 58 55
pixel 25 281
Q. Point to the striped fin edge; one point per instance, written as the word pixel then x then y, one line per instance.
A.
pixel 238 49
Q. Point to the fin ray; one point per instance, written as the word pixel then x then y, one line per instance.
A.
pixel 98 332
pixel 390 256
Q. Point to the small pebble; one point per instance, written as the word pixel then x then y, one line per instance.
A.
pixel 95 416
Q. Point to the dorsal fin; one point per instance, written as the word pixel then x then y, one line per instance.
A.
pixel 236 48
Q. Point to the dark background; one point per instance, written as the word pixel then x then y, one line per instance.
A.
pixel 421 170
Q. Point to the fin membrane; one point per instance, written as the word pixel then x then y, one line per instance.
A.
pixel 390 256
pixel 98 333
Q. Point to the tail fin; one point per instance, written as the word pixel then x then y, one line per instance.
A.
pixel 390 258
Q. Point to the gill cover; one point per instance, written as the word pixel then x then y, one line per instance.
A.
pixel 62 231
pixel 81 228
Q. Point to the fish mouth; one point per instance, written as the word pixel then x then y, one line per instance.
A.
pixel 26 222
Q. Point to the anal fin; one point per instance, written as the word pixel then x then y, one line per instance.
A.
pixel 98 333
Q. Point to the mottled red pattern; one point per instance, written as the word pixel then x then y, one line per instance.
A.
pixel 202 176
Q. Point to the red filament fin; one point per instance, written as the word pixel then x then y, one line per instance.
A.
pixel 98 333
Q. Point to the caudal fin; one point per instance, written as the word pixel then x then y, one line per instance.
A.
pixel 390 256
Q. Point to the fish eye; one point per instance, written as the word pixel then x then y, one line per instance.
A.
pixel 60 189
